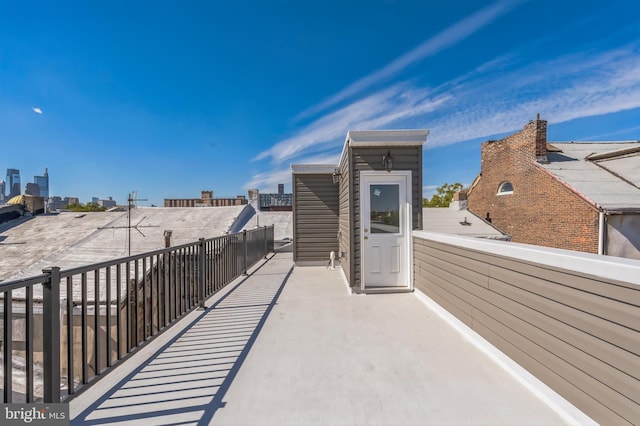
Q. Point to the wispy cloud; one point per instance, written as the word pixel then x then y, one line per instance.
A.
pixel 569 87
pixel 268 181
pixel 609 134
pixel 446 38
pixel 496 98
pixel 379 109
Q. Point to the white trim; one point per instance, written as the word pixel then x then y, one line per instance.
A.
pixel 387 137
pixel 383 143
pixel 601 233
pixel 609 267
pixel 408 214
pixel 499 192
pixel 570 413
pixel 302 169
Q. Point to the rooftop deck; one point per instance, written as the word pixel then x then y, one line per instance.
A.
pixel 290 345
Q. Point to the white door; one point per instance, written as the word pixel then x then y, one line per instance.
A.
pixel 385 236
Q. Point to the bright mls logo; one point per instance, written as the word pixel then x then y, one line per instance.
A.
pixel 37 414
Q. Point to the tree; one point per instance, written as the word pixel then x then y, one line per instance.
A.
pixel 89 207
pixel 443 195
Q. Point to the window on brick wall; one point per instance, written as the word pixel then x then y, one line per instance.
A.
pixel 505 188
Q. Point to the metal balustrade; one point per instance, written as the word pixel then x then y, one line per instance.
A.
pixel 65 328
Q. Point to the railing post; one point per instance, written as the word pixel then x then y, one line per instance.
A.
pixel 244 245
pixel 266 245
pixel 201 259
pixel 51 335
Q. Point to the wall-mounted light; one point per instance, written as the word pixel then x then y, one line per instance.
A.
pixel 387 162
pixel 336 176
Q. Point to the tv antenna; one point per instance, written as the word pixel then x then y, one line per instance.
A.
pixel 131 200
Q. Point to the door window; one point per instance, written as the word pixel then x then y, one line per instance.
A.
pixel 385 208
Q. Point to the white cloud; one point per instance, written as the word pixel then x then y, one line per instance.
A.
pixel 282 174
pixel 375 111
pixel 37 110
pixel 570 87
pixel 446 38
pixel 496 98
pixel 266 181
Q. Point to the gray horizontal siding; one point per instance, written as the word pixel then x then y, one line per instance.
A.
pixel 315 217
pixel 368 159
pixel 578 333
pixel 344 221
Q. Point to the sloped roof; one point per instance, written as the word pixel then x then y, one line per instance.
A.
pixel 458 222
pixel 606 173
pixel 282 223
pixel 70 239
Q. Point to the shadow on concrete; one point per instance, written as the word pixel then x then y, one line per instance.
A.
pixel 186 380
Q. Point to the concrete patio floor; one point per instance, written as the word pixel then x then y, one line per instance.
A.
pixel 291 346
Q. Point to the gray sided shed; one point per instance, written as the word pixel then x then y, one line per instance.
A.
pixel 315 214
pixel 363 152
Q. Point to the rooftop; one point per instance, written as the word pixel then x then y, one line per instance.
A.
pixel 291 346
pixel 459 222
pixel 72 239
pixel 606 172
pixel 281 221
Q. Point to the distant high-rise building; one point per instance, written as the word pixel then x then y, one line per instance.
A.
pixel 43 183
pixel 32 189
pixel 13 182
pixel 2 191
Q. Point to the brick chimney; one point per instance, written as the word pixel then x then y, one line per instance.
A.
pixel 460 195
pixel 459 201
pixel 540 132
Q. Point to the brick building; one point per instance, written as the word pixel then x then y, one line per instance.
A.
pixel 582 196
pixel 207 200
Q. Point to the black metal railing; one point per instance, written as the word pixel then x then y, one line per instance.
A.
pixel 63 329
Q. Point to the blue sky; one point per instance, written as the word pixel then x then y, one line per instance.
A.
pixel 169 98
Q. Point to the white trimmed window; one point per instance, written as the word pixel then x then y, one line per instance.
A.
pixel 505 188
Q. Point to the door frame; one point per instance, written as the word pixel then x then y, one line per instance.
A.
pixel 406 211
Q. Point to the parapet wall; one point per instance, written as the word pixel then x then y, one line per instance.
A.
pixel 571 319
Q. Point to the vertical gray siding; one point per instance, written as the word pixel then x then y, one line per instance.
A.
pixel 579 334
pixel 404 158
pixel 315 217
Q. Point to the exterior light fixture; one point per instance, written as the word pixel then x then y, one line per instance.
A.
pixel 336 176
pixel 387 161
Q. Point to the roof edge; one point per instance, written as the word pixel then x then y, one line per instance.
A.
pixel 613 154
pixel 579 194
pixel 410 137
pixel 301 169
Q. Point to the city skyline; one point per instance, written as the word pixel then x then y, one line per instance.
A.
pixel 34 178
pixel 174 99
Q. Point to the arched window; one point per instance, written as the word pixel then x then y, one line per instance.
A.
pixel 505 188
